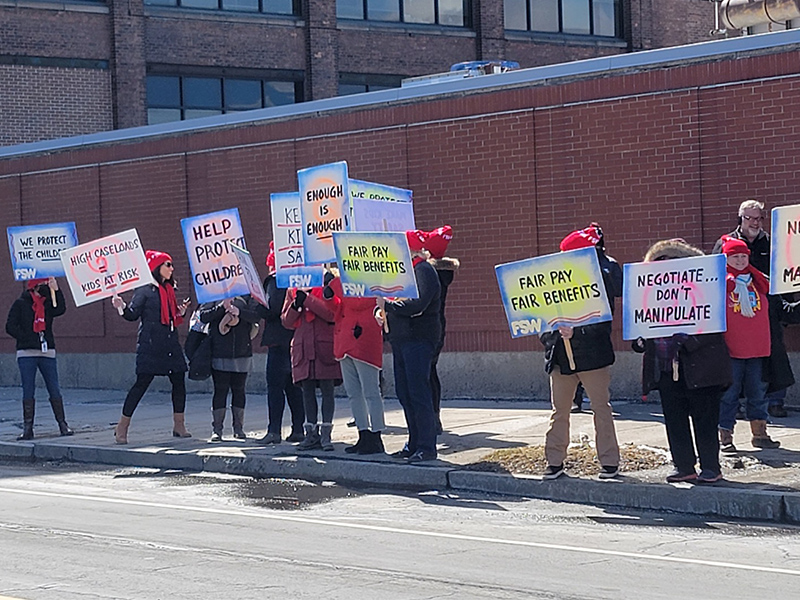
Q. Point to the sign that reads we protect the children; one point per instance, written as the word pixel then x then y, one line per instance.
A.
pixel 287 237
pixel 564 289
pixel 324 209
pixel 785 241
pixel 375 264
pixel 216 271
pixel 35 249
pixel 105 267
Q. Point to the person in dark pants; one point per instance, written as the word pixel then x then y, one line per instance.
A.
pixel 691 372
pixel 30 323
pixel 158 349
pixel 281 390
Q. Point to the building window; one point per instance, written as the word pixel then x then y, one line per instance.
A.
pixel 576 17
pixel 453 13
pixel 276 7
pixel 180 97
pixel 358 83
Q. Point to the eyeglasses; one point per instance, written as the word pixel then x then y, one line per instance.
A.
pixel 168 264
pixel 755 219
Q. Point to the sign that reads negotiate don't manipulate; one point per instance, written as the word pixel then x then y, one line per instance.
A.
pixel 35 249
pixel 375 264
pixel 324 209
pixel 785 240
pixel 216 271
pixel 287 237
pixel 683 295
pixel 564 289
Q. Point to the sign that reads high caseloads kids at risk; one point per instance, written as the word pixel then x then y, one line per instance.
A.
pixel 35 249
pixel 564 289
pixel 324 209
pixel 785 241
pixel 683 295
pixel 375 264
pixel 287 237
pixel 105 267
pixel 216 271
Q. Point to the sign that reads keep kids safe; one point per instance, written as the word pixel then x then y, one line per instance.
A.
pixel 287 237
pixel 35 249
pixel 216 272
pixel 378 191
pixel 250 274
pixel 377 215
pixel 564 289
pixel 375 264
pixel 683 295
pixel 324 209
pixel 785 240
pixel 105 267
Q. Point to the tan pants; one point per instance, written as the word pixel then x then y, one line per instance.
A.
pixel 562 391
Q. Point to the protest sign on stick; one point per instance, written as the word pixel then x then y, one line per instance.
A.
pixel 683 295
pixel 785 242
pixel 378 215
pixel 250 274
pixel 35 249
pixel 378 191
pixel 324 209
pixel 287 236
pixel 375 264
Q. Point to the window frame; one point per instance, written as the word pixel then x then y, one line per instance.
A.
pixel 618 22
pixel 381 80
pixel 296 8
pixel 466 5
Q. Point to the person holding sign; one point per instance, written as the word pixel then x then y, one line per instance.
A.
pixel 30 323
pixel 690 372
pixel 580 355
pixel 158 350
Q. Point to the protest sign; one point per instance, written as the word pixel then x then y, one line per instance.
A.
pixel 375 264
pixel 35 249
pixel 683 295
pixel 378 191
pixel 287 237
pixel 216 272
pixel 378 215
pixel 105 267
pixel 565 289
pixel 785 241
pixel 324 208
pixel 250 274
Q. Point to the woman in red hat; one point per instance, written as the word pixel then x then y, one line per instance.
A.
pixel 158 350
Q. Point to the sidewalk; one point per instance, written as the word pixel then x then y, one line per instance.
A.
pixel 768 491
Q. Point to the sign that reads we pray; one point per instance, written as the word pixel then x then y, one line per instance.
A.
pixel 35 249
pixel 216 271
pixel 287 237
pixel 375 264
pixel 564 289
pixel 105 267
pixel 785 240
pixel 324 209
pixel 682 295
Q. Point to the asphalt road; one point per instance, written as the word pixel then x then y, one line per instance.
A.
pixel 69 531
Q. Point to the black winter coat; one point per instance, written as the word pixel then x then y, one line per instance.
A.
pixel 760 253
pixel 777 368
pixel 274 334
pixel 236 343
pixel 158 349
pixel 591 348
pixel 418 320
pixel 19 323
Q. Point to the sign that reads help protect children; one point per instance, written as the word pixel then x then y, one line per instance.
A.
pixel 216 272
pixel 785 241
pixel 287 237
pixel 105 267
pixel 564 289
pixel 35 249
pixel 324 208
pixel 682 295
pixel 375 264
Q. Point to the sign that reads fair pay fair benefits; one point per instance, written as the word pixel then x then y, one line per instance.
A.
pixel 324 209
pixel 683 295
pixel 785 264
pixel 250 274
pixel 216 272
pixel 105 267
pixel 375 264
pixel 35 249
pixel 565 289
pixel 287 237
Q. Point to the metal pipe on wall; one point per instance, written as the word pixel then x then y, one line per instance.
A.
pixel 739 14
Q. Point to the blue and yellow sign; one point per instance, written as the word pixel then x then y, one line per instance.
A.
pixel 375 264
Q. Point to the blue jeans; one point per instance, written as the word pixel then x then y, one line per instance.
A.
pixel 27 371
pixel 412 382
pixel 747 377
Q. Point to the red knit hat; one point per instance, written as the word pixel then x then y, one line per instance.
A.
pixel 32 283
pixel 732 245
pixel 271 258
pixel 583 238
pixel 437 241
pixel 155 258
pixel 416 240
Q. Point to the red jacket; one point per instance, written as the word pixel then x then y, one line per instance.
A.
pixel 747 337
pixel 312 343
pixel 352 313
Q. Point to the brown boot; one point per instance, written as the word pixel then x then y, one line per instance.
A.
pixel 726 441
pixel 761 438
pixel 179 426
pixel 121 431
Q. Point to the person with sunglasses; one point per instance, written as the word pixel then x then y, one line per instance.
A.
pixel 158 349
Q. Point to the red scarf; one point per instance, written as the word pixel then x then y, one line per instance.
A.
pixel 169 305
pixel 760 281
pixel 39 324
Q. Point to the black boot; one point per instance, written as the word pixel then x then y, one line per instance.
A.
pixel 362 438
pixel 58 412
pixel 28 411
pixel 373 443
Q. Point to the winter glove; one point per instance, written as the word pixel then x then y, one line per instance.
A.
pixel 680 338
pixel 327 292
pixel 357 331
pixel 328 278
pixel 299 299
